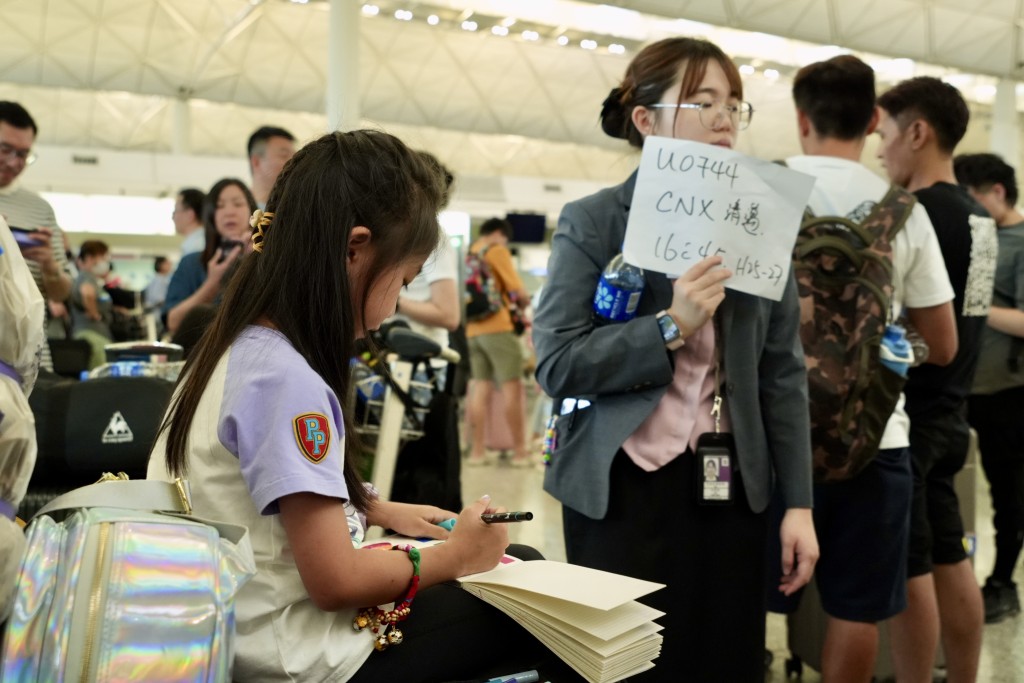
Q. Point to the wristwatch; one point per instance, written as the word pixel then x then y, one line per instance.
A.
pixel 670 331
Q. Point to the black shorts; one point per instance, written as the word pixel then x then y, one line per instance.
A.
pixel 862 526
pixel 938 450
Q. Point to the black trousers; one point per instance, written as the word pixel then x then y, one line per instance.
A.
pixel 452 635
pixel 999 420
pixel 711 558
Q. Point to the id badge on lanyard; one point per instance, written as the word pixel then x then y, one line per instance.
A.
pixel 716 451
pixel 716 454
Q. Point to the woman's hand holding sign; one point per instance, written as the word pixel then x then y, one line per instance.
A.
pixel 697 294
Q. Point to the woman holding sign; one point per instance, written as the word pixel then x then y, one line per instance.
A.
pixel 696 374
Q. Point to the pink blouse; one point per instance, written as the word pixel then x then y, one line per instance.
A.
pixel 684 411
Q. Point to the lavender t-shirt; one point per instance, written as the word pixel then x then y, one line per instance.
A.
pixel 268 426
pixel 281 421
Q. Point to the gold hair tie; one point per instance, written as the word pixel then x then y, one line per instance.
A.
pixel 259 220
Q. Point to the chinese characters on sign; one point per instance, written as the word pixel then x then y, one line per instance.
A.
pixel 694 200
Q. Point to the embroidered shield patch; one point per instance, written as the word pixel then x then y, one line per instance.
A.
pixel 313 434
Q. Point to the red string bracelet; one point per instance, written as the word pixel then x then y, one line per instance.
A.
pixel 379 621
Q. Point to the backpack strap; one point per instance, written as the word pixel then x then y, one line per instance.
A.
pixel 146 495
pixel 899 203
pixel 480 253
pixel 886 218
pixel 137 494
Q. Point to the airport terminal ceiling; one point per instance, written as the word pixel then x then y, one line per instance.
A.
pixel 517 96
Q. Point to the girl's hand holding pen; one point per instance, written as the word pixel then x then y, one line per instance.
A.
pixel 478 545
pixel 492 518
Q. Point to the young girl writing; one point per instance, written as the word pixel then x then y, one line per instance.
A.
pixel 257 424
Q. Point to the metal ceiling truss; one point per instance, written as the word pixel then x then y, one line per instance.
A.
pixel 103 72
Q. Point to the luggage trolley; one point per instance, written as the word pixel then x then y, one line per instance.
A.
pixel 394 408
pixel 141 359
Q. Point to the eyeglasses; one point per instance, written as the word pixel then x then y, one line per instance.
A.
pixel 26 155
pixel 712 113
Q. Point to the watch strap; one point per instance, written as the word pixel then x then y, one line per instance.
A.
pixel 671 343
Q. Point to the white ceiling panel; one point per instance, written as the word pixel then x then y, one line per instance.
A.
pixel 975 38
pixel 802 19
pixel 882 25
pixel 1005 10
pixel 105 73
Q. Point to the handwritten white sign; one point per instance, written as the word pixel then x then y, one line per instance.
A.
pixel 694 200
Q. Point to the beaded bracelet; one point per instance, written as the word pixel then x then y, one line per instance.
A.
pixel 379 621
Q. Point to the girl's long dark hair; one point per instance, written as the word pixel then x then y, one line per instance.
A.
pixel 299 282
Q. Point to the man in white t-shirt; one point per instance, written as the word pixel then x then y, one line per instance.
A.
pixel 863 522
pixel 430 303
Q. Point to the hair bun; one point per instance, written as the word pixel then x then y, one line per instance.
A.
pixel 613 118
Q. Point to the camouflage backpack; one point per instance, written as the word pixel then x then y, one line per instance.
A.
pixel 843 269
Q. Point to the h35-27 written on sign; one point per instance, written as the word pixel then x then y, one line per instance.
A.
pixel 694 200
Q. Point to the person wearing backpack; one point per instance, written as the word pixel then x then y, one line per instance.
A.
pixel 922 121
pixel 862 512
pixel 493 287
pixel 998 389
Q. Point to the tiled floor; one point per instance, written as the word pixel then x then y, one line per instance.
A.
pixel 1002 659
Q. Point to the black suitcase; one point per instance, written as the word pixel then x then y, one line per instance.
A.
pixel 86 428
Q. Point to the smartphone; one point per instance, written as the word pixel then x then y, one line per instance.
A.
pixel 23 237
pixel 226 247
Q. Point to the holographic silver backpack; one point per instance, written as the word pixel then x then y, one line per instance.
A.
pixel 119 583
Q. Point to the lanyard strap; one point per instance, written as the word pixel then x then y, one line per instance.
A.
pixel 716 407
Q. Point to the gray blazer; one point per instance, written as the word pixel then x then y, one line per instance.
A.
pixel 624 368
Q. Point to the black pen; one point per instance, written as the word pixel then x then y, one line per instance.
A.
pixel 495 517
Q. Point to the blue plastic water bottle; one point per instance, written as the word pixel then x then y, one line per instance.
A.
pixel 618 291
pixel 127 368
pixel 896 353
pixel 368 383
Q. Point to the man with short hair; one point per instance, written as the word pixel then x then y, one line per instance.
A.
pixel 862 522
pixel 998 390
pixel 922 121
pixel 23 208
pixel 495 356
pixel 188 220
pixel 270 148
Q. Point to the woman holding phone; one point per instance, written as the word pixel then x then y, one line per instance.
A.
pixel 199 276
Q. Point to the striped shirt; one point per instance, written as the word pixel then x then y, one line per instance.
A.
pixel 25 209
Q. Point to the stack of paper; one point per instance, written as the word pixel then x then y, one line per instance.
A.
pixel 589 618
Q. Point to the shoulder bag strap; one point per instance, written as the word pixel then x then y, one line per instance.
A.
pixel 142 494
pixel 146 495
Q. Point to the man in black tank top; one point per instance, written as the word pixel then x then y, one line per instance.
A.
pixel 922 121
